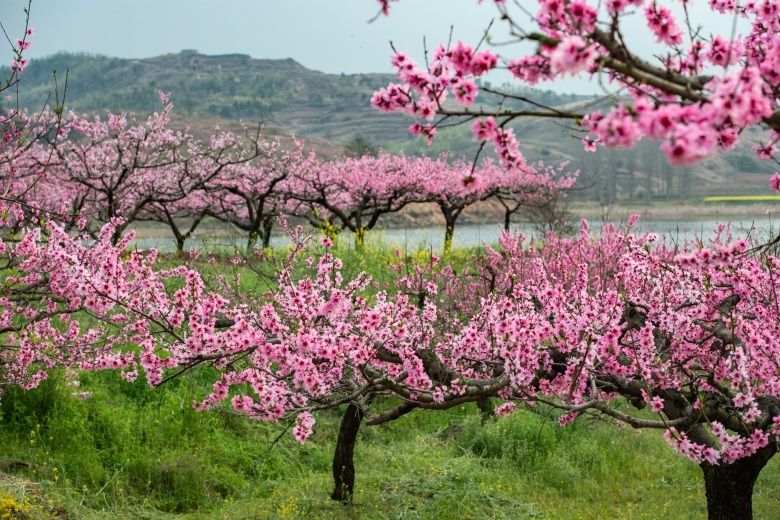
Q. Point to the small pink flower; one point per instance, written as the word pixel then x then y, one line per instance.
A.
pixel 572 55
pixel 484 129
pixel 567 418
pixel 774 182
pixel 465 92
pixel 505 408
pixel 18 65
pixel 304 426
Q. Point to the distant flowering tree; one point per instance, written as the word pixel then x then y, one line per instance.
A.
pixel 251 195
pixel 189 182
pixel 353 193
pixel 183 216
pixel 455 185
pixel 117 164
pixel 518 190
pixel 33 192
pixel 695 93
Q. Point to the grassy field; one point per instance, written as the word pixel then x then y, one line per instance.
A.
pixel 131 452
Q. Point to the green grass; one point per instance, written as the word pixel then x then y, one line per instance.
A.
pixel 132 452
pixel 374 258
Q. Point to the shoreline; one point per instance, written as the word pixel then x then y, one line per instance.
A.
pixel 681 211
pixel 426 217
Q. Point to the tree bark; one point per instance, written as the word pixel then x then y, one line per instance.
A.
pixel 449 231
pixel 343 458
pixel 729 487
pixel 268 226
pixel 486 409
pixel 360 238
pixel 251 241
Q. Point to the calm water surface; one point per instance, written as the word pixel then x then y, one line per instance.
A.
pixel 474 235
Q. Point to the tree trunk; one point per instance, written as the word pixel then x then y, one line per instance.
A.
pixel 449 231
pixel 729 487
pixel 251 241
pixel 360 238
pixel 507 220
pixel 343 462
pixel 486 409
pixel 268 225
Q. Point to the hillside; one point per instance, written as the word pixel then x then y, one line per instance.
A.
pixel 332 108
pixel 230 86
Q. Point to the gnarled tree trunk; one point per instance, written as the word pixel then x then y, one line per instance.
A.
pixel 343 458
pixel 729 487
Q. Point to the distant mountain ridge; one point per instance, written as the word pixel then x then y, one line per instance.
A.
pixel 231 86
pixel 333 109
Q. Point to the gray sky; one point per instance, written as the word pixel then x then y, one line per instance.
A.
pixel 328 35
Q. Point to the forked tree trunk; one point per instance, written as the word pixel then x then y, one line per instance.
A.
pixel 343 458
pixel 729 487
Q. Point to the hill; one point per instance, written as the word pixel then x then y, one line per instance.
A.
pixel 335 109
pixel 229 86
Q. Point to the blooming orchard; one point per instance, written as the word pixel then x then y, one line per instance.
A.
pixel 575 324
pixel 677 338
pixel 121 170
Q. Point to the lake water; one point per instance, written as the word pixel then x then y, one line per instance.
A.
pixel 474 235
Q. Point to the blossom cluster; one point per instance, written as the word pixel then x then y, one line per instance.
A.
pixel 696 94
pixel 573 323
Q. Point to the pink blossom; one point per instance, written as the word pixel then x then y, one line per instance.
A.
pixel 18 65
pixel 657 404
pixel 571 56
pixel 484 129
pixel 774 182
pixel 505 408
pixel 303 428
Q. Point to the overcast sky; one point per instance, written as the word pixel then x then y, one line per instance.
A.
pixel 328 35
